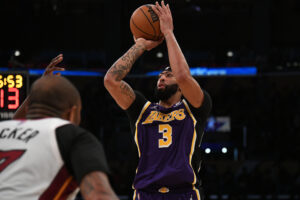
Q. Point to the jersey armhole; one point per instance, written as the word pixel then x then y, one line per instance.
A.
pixel 189 111
pixel 136 124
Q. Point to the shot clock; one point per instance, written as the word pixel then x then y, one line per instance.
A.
pixel 13 91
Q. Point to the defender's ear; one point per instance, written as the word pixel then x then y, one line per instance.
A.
pixel 73 115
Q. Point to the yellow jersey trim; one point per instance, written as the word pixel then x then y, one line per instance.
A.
pixel 62 189
pixel 136 132
pixel 197 193
pixel 134 195
pixel 194 139
pixel 136 124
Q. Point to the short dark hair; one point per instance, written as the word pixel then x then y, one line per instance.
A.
pixel 54 92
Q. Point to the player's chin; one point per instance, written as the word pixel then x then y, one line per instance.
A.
pixel 161 88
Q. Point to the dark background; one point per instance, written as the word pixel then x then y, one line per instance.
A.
pixel 262 161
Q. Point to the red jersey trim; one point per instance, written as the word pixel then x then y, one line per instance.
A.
pixel 61 187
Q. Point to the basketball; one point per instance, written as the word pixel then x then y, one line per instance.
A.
pixel 144 23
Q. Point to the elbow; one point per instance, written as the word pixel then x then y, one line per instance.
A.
pixel 182 77
pixel 109 82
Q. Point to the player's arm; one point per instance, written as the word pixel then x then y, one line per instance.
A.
pixel 191 90
pixel 121 91
pixel 95 185
pixel 22 110
pixel 84 158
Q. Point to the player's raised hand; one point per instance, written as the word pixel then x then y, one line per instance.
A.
pixel 52 66
pixel 148 44
pixel 165 17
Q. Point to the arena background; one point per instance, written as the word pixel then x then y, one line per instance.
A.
pixel 252 143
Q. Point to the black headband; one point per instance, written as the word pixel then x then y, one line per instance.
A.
pixel 168 69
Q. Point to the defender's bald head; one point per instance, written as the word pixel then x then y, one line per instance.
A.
pixel 53 93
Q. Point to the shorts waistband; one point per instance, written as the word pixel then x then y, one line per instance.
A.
pixel 166 189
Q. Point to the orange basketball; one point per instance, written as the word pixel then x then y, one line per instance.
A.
pixel 144 23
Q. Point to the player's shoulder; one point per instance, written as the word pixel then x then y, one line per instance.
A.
pixel 207 101
pixel 70 133
pixel 70 128
pixel 205 108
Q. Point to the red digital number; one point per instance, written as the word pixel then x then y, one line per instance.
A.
pixel 8 157
pixel 15 98
pixel 1 98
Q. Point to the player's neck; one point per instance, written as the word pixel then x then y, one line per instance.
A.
pixel 171 101
pixel 38 111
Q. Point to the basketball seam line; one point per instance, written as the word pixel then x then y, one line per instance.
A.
pixel 141 29
pixel 149 22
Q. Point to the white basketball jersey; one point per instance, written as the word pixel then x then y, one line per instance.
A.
pixel 31 166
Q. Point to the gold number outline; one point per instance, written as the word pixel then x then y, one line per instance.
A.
pixel 166 130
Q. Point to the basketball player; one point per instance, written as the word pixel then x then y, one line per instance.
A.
pixel 47 156
pixel 168 133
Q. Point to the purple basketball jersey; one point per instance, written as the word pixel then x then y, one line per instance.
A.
pixel 165 138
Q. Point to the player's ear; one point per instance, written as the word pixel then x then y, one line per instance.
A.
pixel 75 115
pixel 72 115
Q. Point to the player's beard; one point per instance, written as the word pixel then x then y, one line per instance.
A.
pixel 167 92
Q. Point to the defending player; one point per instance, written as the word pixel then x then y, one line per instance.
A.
pixel 47 156
pixel 168 133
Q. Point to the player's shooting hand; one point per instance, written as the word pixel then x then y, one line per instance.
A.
pixel 148 44
pixel 165 17
pixel 52 66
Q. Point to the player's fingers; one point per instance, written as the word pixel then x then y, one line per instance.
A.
pixel 163 4
pixel 161 40
pixel 54 63
pixel 169 10
pixel 56 58
pixel 58 74
pixel 158 7
pixel 58 69
pixel 156 11
pixel 158 42
pixel 52 69
pixel 164 7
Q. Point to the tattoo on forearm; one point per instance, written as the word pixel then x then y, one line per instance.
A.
pixel 96 185
pixel 127 90
pixel 120 69
pixel 87 186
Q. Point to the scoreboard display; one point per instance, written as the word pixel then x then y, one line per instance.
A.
pixel 13 91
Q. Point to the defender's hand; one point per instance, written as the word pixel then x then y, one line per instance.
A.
pixel 52 66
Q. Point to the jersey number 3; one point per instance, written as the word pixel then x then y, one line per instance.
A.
pixel 8 157
pixel 166 130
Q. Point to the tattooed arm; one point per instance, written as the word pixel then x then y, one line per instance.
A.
pixel 95 186
pixel 113 80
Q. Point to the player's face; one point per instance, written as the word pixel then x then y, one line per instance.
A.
pixel 164 79
pixel 166 86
